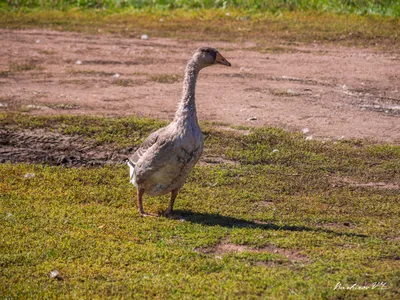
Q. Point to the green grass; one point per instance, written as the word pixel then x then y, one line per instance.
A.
pixel 122 132
pixel 234 25
pixel 382 7
pixel 83 222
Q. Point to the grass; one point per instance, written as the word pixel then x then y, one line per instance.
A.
pixel 382 7
pixel 15 67
pixel 240 26
pixel 90 72
pixel 122 131
pixel 300 232
pixel 166 78
pixel 21 67
pixel 125 82
pixel 294 208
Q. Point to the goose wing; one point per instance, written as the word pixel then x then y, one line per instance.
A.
pixel 156 152
pixel 148 143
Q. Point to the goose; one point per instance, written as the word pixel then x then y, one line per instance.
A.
pixel 166 157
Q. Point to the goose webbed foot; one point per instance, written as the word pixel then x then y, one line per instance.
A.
pixel 168 213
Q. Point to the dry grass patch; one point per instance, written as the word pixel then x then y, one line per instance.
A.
pixel 166 78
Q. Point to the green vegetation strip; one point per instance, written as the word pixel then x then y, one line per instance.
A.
pixel 263 28
pixel 378 7
pixel 300 227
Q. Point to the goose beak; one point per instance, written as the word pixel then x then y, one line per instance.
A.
pixel 219 59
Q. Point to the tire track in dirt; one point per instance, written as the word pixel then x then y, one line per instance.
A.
pixel 40 146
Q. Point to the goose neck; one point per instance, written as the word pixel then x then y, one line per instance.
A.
pixel 187 106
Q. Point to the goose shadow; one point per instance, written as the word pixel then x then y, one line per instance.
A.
pixel 231 222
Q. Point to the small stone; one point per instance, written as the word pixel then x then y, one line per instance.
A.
pixel 55 275
pixel 116 75
pixel 78 62
pixel 305 130
pixel 37 41
pixel 275 150
pixel 243 69
pixel 144 37
pixel 309 138
pixel 252 119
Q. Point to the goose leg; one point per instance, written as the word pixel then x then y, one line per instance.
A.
pixel 140 193
pixel 169 210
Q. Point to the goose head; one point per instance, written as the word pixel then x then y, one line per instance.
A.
pixel 207 56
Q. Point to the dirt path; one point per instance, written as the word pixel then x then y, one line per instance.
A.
pixel 334 92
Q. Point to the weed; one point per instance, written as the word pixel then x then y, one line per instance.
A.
pixel 47 52
pixel 140 74
pixel 166 78
pixel 126 82
pixel 4 73
pixel 22 67
pixel 73 81
pixel 90 72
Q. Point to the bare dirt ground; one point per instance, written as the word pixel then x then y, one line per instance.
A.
pixel 44 147
pixel 334 92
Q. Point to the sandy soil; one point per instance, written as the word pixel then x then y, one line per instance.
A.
pixel 334 92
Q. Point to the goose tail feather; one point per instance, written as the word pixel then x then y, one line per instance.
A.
pixel 132 177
